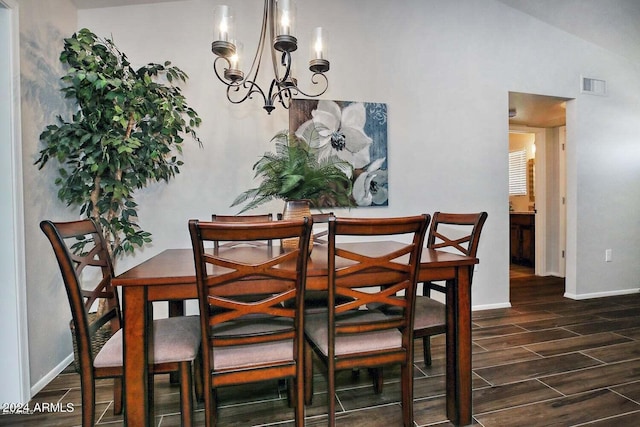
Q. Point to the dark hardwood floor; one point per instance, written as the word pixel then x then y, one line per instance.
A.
pixel 546 361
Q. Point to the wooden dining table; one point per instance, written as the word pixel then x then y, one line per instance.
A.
pixel 170 276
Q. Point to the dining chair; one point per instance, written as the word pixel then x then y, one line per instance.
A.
pixel 262 339
pixel 317 300
pixel 455 232
pixel 82 254
pixel 321 232
pixel 242 218
pixel 348 335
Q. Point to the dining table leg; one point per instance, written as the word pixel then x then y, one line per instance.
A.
pixel 458 348
pixel 176 308
pixel 138 385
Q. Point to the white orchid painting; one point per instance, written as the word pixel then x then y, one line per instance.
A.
pixel 355 132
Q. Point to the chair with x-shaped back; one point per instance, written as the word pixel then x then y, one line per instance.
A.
pixel 242 218
pixel 260 339
pixel 455 232
pixel 346 335
pixel 79 248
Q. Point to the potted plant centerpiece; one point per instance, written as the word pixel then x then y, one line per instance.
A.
pixel 294 173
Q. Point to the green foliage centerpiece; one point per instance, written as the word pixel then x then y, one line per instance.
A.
pixel 125 134
pixel 294 172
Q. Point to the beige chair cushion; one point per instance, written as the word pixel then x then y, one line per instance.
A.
pixel 429 313
pixel 316 329
pixel 175 339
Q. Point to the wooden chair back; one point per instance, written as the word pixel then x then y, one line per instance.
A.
pixel 274 281
pixel 242 219
pixel 346 336
pixel 79 247
pixel 457 232
pixel 321 232
pixel 317 300
pixel 87 271
pixel 391 276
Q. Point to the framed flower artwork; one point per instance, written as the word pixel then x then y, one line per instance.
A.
pixel 355 132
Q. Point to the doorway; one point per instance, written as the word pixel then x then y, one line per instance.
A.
pixel 541 120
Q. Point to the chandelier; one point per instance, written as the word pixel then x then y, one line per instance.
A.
pixel 278 19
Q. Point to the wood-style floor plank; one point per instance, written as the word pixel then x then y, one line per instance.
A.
pixel 511 395
pixel 530 369
pixel 564 411
pixel 581 343
pixel 593 378
pixel 524 338
pixel 498 357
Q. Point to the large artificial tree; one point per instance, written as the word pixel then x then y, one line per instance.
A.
pixel 127 132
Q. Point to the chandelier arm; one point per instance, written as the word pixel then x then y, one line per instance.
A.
pixel 255 65
pixel 286 63
pixel 272 35
pixel 250 86
pixel 283 94
pixel 315 82
pixel 215 69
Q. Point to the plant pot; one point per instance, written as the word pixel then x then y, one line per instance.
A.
pixel 296 209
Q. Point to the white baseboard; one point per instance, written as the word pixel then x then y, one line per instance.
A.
pixel 601 294
pixel 37 387
pixel 554 274
pixel 491 306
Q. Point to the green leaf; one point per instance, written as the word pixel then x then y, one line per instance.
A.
pixel 100 84
pixel 294 172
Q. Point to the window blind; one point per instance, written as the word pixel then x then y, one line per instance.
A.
pixel 518 173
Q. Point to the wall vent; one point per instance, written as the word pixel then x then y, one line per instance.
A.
pixel 593 86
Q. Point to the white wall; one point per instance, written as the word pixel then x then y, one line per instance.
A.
pixel 445 69
pixel 42 27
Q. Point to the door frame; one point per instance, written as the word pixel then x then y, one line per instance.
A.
pixel 540 185
pixel 562 178
pixel 13 316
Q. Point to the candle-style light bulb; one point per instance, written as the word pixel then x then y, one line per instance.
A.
pixel 318 62
pixel 284 40
pixel 234 73
pixel 223 39
pixel 223 33
pixel 286 24
pixel 318 49
pixel 223 21
pixel 285 17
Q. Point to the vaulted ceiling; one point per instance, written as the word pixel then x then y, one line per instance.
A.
pixel 95 4
pixel 611 24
